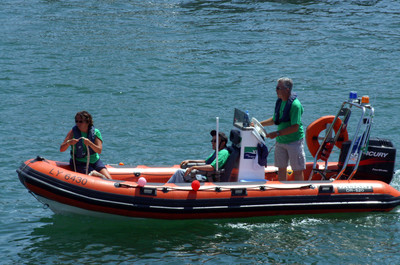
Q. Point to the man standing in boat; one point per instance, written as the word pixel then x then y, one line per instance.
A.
pixel 209 164
pixel 290 133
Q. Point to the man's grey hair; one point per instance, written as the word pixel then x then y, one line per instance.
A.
pixel 287 82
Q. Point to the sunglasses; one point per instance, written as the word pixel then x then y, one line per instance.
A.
pixel 76 121
pixel 280 88
pixel 213 141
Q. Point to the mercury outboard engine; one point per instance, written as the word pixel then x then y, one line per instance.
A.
pixel 375 164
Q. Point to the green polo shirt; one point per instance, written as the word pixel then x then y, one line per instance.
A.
pixel 223 156
pixel 295 118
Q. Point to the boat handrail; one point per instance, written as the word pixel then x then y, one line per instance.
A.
pixel 361 138
pixel 362 141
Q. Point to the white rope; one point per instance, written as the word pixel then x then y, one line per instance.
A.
pixel 88 159
pixel 226 187
pixel 73 156
pixel 217 144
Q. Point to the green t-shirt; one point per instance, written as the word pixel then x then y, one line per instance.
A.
pixel 295 118
pixel 223 156
pixel 93 157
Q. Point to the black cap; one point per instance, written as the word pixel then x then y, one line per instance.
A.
pixel 221 135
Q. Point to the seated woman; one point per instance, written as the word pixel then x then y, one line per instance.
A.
pixel 210 162
pixel 81 136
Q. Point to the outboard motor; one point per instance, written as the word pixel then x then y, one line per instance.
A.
pixel 375 164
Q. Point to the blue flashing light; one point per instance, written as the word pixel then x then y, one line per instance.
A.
pixel 353 95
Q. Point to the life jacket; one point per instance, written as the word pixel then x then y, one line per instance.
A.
pixel 286 111
pixel 209 161
pixel 80 150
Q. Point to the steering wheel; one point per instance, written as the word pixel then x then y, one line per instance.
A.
pixel 259 128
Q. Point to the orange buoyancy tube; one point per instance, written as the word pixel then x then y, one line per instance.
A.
pixel 317 126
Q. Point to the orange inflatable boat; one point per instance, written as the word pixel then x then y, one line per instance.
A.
pixel 357 182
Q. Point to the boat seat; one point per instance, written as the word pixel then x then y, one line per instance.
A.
pixel 231 163
pixel 233 159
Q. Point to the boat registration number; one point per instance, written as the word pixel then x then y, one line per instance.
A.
pixel 354 188
pixel 69 177
pixel 78 180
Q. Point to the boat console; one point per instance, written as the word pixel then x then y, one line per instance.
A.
pixel 251 146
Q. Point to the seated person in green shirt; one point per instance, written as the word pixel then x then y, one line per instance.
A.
pixel 210 162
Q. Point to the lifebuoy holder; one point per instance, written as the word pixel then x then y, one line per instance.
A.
pixel 316 127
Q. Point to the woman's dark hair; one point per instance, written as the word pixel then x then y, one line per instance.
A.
pixel 84 115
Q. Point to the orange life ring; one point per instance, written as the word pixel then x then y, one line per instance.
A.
pixel 317 126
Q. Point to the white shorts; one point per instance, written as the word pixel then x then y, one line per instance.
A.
pixel 293 152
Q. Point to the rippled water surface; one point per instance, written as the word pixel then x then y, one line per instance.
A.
pixel 155 74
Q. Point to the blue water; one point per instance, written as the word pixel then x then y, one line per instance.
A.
pixel 155 75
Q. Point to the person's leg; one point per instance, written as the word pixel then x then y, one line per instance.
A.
pixel 105 172
pixel 281 160
pixel 298 175
pixel 99 167
pixel 282 173
pixel 177 176
pixel 297 159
